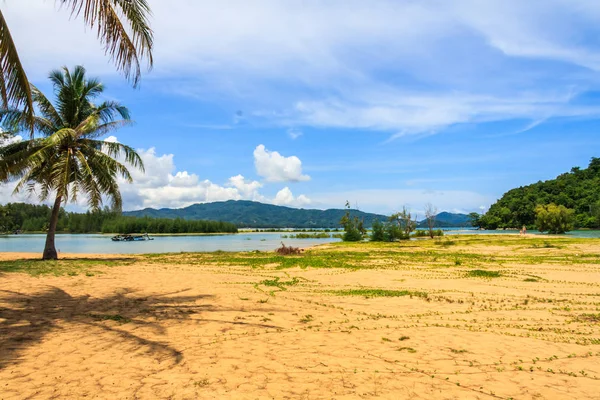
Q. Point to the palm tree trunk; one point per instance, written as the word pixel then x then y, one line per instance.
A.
pixel 50 249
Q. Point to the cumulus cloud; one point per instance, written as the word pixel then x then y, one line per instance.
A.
pixel 163 186
pixel 276 168
pixel 285 197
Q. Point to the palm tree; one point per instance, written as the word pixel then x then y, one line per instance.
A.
pixel 122 27
pixel 65 157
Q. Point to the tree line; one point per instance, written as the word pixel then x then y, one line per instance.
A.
pixel 573 197
pixel 21 217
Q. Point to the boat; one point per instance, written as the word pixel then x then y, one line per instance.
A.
pixel 131 238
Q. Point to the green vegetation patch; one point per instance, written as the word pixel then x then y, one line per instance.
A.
pixel 589 318
pixel 370 293
pixel 315 235
pixel 70 267
pixel 481 273
pixel 280 284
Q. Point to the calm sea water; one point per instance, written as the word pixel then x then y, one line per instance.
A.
pixel 101 244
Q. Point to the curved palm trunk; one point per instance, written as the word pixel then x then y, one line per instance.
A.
pixel 50 249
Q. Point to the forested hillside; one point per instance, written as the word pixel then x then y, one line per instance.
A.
pixel 16 217
pixel 578 189
pixel 258 215
pixel 448 220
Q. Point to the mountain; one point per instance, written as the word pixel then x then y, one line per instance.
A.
pixel 252 214
pixel 448 220
pixel 577 190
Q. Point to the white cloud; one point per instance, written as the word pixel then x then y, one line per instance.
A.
pixel 163 186
pixel 276 168
pixel 294 133
pixel 285 197
pixel 247 188
pixel 387 201
pixel 398 66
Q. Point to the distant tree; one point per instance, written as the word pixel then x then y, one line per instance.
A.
pixel 388 231
pixel 377 231
pixel 554 218
pixel 404 222
pixel 475 219
pixel 353 226
pixel 430 214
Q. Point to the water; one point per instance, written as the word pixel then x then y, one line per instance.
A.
pixel 264 241
pixel 101 244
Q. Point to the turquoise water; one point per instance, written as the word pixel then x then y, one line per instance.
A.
pixel 101 244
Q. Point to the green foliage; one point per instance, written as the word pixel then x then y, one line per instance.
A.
pixel 424 233
pixel 378 293
pixel 315 235
pixel 554 219
pixel 353 226
pixel 576 190
pixel 481 273
pixel 387 232
pixel 34 218
pixel 71 267
pixel 404 222
pixel 475 219
pixel 377 232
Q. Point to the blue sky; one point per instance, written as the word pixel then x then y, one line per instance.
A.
pixel 311 103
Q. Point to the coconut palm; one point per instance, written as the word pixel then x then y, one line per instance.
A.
pixel 66 158
pixel 122 27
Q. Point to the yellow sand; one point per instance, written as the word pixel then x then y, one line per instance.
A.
pixel 194 331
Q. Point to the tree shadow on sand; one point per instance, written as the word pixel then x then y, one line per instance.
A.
pixel 25 319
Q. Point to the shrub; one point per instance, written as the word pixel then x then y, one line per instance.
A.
pixel 353 226
pixel 554 219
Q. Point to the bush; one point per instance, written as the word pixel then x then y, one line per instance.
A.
pixel 352 235
pixel 378 232
pixel 353 226
pixel 554 219
pixel 387 232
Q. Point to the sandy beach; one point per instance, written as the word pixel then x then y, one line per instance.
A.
pixel 398 321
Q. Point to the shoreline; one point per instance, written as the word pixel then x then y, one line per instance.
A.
pixel 16 255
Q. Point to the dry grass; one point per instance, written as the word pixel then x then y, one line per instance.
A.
pixel 514 318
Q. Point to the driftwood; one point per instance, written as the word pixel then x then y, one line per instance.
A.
pixel 287 250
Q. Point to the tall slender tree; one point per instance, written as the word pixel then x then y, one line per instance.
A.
pixel 65 158
pixel 121 25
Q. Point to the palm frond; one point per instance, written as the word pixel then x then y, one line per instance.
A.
pixel 14 85
pixel 69 160
pixel 109 110
pixel 113 149
pixel 46 108
pixel 104 129
pixel 126 51
pixel 14 121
